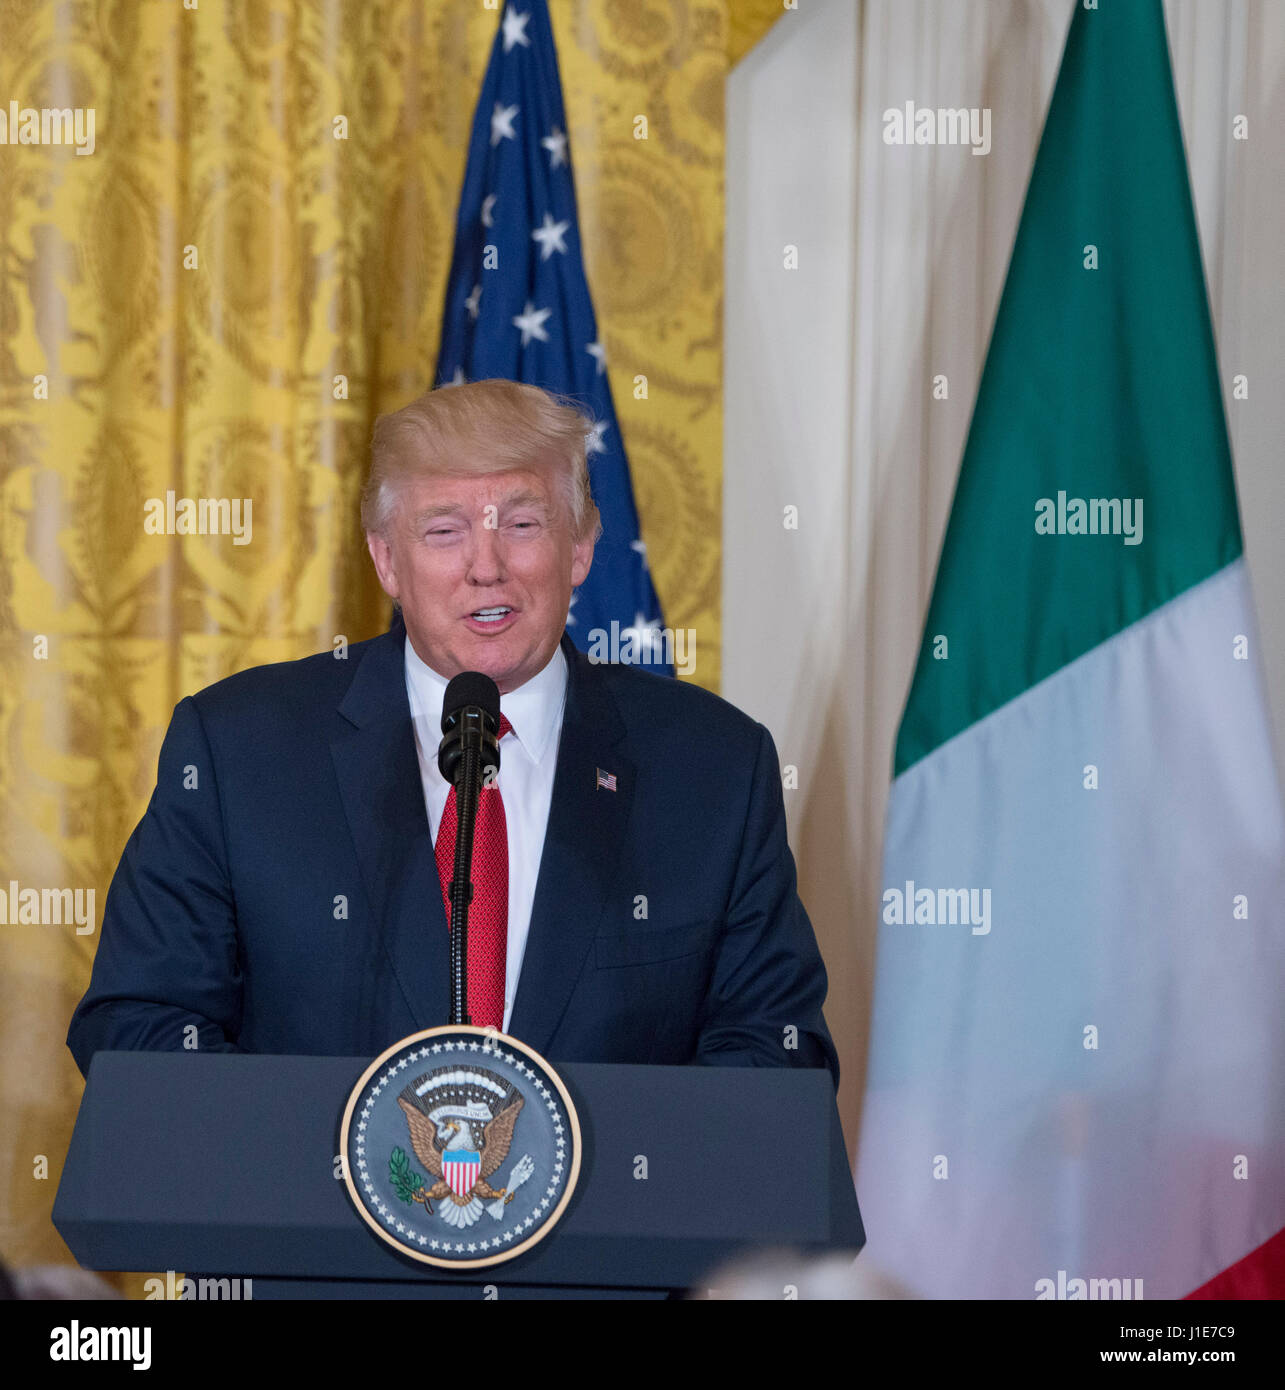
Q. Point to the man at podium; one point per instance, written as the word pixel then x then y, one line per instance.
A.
pixel 634 891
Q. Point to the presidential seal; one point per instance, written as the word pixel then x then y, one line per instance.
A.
pixel 461 1147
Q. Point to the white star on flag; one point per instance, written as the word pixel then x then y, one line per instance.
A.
pixel 599 354
pixel 502 123
pixel 531 322
pixel 593 440
pixel 646 636
pixel 550 236
pixel 474 301
pixel 515 29
pixel 556 144
pixel 487 204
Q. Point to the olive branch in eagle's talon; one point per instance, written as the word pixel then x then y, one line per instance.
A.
pixel 408 1184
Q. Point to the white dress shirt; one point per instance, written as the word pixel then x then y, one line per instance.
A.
pixel 528 759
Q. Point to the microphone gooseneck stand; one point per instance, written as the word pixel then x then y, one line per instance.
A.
pixel 470 722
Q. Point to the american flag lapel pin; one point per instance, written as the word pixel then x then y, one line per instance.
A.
pixel 605 779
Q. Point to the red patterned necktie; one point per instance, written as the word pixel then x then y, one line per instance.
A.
pixel 488 914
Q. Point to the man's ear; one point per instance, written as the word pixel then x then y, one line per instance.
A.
pixel 382 554
pixel 581 560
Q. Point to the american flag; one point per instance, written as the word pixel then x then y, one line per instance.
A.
pixel 518 306
pixel 606 779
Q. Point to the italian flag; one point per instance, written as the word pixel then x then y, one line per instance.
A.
pixel 1077 1072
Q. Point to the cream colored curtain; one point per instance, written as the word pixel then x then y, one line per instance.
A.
pixel 902 253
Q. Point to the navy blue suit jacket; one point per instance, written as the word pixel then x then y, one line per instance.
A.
pixel 281 895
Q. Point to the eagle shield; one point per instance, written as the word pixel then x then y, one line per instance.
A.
pixel 460 1169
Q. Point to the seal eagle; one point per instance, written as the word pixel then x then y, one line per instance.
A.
pixel 446 1114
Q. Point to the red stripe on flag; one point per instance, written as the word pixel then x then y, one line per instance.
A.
pixel 1261 1274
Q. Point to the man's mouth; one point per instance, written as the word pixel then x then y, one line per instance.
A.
pixel 491 619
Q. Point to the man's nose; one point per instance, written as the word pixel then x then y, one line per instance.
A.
pixel 486 556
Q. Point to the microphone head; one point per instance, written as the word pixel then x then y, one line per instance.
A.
pixel 470 717
pixel 471 689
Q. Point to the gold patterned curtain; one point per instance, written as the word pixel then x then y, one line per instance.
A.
pixel 217 302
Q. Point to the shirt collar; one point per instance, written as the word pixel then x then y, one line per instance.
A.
pixel 534 709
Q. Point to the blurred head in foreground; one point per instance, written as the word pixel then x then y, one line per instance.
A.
pixel 786 1274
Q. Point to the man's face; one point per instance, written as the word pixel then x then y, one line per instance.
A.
pixel 457 547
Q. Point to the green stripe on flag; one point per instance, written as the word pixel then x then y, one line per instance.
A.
pixel 1100 384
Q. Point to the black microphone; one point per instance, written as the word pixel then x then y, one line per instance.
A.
pixel 469 750
pixel 470 718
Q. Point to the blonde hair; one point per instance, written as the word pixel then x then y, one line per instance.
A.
pixel 481 427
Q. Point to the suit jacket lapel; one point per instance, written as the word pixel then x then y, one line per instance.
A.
pixel 581 846
pixel 383 798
